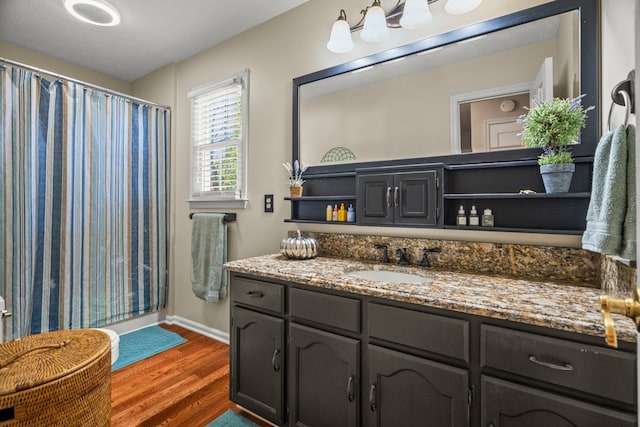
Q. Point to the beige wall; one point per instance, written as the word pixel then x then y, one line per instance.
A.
pixel 289 46
pixel 45 62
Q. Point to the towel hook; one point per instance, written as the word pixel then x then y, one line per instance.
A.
pixel 627 105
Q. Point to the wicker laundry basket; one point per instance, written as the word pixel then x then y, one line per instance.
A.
pixel 60 378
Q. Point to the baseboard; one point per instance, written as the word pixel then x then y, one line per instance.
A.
pixel 207 331
pixel 138 322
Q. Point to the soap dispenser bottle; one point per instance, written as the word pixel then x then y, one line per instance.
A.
pixel 461 219
pixel 329 213
pixel 335 213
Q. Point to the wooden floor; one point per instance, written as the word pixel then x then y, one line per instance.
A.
pixel 187 386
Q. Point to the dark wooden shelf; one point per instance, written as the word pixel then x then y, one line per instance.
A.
pixel 510 229
pixel 460 196
pixel 320 198
pixel 310 221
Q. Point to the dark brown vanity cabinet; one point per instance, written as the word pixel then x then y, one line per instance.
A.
pixel 258 346
pixel 324 389
pixel 399 196
pixel 305 356
pixel 404 390
pixel 582 369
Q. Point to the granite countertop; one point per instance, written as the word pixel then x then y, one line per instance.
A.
pixel 564 307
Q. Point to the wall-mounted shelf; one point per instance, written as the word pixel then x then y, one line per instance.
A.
pixel 492 185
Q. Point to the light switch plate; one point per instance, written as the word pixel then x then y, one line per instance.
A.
pixel 268 202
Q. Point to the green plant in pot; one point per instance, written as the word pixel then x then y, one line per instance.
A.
pixel 553 126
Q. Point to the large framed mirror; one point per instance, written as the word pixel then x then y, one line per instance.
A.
pixel 453 97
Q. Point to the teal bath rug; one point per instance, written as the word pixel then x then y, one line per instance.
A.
pixel 143 343
pixel 231 419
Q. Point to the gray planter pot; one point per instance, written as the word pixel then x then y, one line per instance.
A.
pixel 557 178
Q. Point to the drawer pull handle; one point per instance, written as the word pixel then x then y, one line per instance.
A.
pixel 276 366
pixel 395 197
pixel 255 294
pixel 372 398
pixel 350 393
pixel 565 367
pixel 389 197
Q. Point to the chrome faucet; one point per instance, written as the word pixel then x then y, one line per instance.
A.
pixel 385 253
pixel 403 258
pixel 425 256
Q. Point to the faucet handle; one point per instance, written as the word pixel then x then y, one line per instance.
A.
pixel 385 253
pixel 630 307
pixel 425 256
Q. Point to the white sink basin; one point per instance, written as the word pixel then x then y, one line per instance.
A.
pixel 390 276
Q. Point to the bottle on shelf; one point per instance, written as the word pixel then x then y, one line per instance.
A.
pixel 342 213
pixel 474 219
pixel 461 219
pixel 329 213
pixel 334 216
pixel 351 214
pixel 487 218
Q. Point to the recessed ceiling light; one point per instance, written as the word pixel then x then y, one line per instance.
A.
pixel 96 12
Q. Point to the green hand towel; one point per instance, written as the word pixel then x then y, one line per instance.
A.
pixel 629 226
pixel 608 204
pixel 208 254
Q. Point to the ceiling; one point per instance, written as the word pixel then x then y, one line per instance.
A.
pixel 151 34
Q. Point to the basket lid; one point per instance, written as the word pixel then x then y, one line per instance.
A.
pixel 38 359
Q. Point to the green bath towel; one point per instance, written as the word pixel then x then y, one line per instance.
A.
pixel 628 250
pixel 208 253
pixel 611 212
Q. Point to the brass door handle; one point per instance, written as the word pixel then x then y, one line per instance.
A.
pixel 630 307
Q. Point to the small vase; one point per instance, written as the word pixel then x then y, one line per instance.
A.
pixel 557 178
pixel 295 191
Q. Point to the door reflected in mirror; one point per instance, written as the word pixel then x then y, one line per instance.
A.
pixel 459 98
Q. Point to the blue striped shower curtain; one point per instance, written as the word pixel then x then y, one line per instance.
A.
pixel 83 204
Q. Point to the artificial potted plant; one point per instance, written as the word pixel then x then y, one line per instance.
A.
pixel 295 177
pixel 554 125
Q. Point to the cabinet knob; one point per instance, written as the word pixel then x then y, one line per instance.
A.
pixel 630 307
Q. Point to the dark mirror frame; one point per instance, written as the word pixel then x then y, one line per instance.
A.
pixel 589 81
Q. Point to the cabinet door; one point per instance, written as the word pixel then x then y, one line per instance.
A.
pixel 323 378
pixel 257 357
pixel 418 198
pixel 404 390
pixel 505 404
pixel 375 199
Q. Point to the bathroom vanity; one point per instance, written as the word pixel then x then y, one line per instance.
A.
pixel 311 344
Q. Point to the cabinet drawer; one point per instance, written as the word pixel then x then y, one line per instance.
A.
pixel 330 310
pixel 268 296
pixel 600 371
pixel 508 404
pixel 429 332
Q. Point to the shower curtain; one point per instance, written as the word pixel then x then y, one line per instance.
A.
pixel 83 204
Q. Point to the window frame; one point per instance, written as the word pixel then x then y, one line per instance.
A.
pixel 219 200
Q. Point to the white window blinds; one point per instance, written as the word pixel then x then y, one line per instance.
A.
pixel 218 139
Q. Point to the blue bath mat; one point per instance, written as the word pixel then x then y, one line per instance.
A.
pixel 140 344
pixel 231 419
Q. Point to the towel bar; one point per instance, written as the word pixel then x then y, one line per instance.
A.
pixel 228 217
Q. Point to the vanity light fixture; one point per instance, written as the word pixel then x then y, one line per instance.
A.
pixel 375 22
pixel 96 12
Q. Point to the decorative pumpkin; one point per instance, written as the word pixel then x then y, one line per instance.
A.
pixel 299 247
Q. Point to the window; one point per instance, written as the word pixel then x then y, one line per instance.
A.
pixel 219 142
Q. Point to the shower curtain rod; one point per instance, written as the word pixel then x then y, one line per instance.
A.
pixel 60 76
